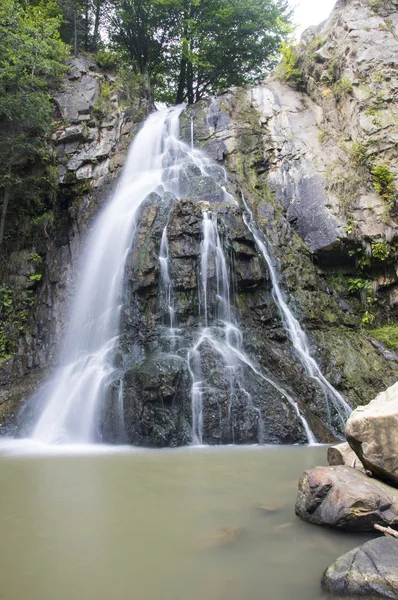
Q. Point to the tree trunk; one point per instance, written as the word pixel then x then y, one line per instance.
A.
pixel 96 24
pixel 181 81
pixel 191 96
pixel 6 200
pixel 86 28
pixel 75 31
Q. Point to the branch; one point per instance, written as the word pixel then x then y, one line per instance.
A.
pixel 388 531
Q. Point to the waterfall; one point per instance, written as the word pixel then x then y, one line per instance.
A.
pixel 72 399
pixel 292 326
pixel 223 336
pixel 166 283
pixel 74 395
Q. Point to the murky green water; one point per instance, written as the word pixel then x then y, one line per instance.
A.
pixel 160 525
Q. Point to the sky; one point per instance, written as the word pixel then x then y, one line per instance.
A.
pixel 310 12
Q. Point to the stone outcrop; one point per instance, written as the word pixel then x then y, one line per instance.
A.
pixel 370 571
pixel 343 454
pixel 305 166
pixel 346 499
pixel 303 160
pixel 372 430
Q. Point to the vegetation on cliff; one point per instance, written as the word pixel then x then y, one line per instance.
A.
pixel 32 61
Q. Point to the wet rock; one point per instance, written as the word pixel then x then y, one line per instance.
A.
pixel 370 571
pixel 372 432
pixel 344 498
pixel 342 454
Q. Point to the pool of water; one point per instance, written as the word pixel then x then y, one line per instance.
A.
pixel 188 524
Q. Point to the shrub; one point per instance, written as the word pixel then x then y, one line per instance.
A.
pixel 358 154
pixel 383 182
pixel 342 87
pixel 289 68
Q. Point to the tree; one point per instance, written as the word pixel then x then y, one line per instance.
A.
pixel 194 47
pixel 31 61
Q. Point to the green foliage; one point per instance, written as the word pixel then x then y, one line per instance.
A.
pixel 35 258
pixel 363 259
pixel 358 154
pixel 14 311
pixel 103 104
pixel 106 59
pixel 368 318
pixel 44 222
pixel 189 48
pixel 357 284
pixel 342 87
pixel 381 251
pixel 31 61
pixel 289 67
pixel 36 277
pixel 387 335
pixel 383 182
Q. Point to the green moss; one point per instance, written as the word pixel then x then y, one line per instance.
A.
pixel 376 5
pixel 387 335
pixel 323 135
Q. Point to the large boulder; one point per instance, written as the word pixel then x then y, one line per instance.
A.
pixel 345 498
pixel 370 571
pixel 372 432
pixel 343 454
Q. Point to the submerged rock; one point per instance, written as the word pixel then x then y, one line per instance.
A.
pixel 345 498
pixel 372 432
pixel 224 536
pixel 342 454
pixel 370 571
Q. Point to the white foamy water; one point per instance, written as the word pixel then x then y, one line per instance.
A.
pixel 73 396
pixel 293 327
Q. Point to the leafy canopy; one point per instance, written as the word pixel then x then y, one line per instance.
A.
pixel 32 58
pixel 194 47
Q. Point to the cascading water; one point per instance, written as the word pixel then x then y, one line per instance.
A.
pixel 223 337
pixel 73 397
pixel 166 284
pixel 292 326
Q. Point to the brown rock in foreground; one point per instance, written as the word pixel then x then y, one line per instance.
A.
pixel 343 454
pixel 370 571
pixel 345 498
pixel 372 432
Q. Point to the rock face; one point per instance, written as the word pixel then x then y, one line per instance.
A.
pixel 370 571
pixel 303 161
pixel 371 431
pixel 342 454
pixel 346 499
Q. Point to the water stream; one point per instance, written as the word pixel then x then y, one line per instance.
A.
pixel 293 327
pixel 76 391
pixel 72 399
